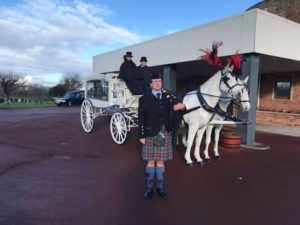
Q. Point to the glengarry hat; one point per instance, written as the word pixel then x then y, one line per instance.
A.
pixel 155 76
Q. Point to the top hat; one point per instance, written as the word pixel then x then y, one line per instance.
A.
pixel 143 59
pixel 128 54
pixel 155 76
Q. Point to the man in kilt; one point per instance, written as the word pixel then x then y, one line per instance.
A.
pixel 155 127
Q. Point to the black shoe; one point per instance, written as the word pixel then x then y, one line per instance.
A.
pixel 148 193
pixel 161 193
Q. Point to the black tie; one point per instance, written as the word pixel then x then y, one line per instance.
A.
pixel 158 95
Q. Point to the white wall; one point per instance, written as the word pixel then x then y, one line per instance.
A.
pixel 277 36
pixel 252 31
pixel 237 33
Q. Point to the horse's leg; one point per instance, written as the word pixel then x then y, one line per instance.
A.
pixel 177 136
pixel 184 134
pixel 191 135
pixel 207 141
pixel 216 146
pixel 198 143
pixel 182 130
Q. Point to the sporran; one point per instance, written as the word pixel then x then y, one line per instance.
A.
pixel 159 140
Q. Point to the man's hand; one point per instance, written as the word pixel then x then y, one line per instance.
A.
pixel 179 106
pixel 143 141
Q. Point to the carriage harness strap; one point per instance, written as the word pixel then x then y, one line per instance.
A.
pixel 214 111
pixel 203 104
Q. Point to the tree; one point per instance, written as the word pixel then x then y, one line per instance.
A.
pixel 38 93
pixel 57 90
pixel 71 81
pixel 9 82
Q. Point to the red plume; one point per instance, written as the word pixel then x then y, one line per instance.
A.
pixel 236 60
pixel 212 56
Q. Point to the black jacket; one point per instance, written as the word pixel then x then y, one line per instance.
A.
pixel 144 73
pixel 153 113
pixel 128 74
pixel 127 70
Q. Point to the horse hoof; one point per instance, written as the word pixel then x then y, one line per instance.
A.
pixel 200 163
pixel 217 157
pixel 207 160
pixel 190 165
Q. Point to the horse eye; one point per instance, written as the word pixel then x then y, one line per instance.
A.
pixel 225 79
pixel 240 95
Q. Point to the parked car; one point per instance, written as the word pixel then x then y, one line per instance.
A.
pixel 71 98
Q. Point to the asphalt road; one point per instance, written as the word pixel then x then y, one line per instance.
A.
pixel 52 173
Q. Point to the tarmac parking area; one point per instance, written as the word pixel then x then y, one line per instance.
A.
pixel 52 173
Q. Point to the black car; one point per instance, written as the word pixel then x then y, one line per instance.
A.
pixel 71 98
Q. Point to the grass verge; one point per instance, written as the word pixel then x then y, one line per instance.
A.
pixel 26 105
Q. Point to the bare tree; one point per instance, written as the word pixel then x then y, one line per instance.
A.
pixel 1 91
pixel 9 82
pixel 71 81
pixel 39 93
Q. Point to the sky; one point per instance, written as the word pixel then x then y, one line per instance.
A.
pixel 44 39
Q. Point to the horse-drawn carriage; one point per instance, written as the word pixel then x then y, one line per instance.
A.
pixel 106 95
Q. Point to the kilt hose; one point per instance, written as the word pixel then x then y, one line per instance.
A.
pixel 163 153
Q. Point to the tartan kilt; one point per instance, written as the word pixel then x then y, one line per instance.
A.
pixel 151 152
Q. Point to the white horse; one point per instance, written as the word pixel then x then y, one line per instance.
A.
pixel 197 120
pixel 224 102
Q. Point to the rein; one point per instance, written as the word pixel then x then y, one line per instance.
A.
pixel 215 96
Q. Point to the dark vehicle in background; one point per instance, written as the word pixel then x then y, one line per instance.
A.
pixel 71 98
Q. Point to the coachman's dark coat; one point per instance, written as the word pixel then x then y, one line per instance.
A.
pixel 153 113
pixel 128 74
pixel 144 73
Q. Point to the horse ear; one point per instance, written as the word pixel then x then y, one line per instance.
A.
pixel 231 68
pixel 226 68
pixel 246 79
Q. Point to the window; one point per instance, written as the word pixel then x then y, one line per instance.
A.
pixel 79 95
pixel 97 89
pixel 283 86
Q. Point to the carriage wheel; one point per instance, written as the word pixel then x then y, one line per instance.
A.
pixel 118 128
pixel 87 116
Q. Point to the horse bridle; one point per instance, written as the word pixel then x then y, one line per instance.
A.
pixel 225 79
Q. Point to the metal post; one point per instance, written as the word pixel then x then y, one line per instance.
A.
pixel 250 67
pixel 169 78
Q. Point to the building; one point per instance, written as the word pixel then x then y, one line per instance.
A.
pixel 289 9
pixel 279 92
pixel 269 44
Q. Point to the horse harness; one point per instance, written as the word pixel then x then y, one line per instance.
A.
pixel 216 110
